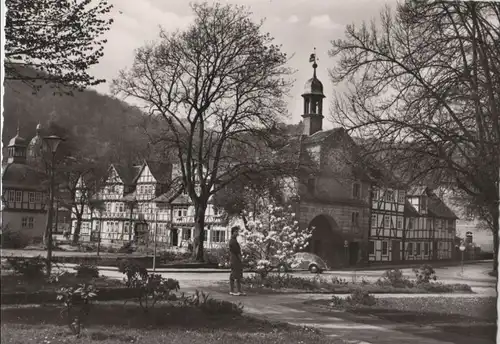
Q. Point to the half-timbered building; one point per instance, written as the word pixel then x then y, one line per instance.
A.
pixel 144 203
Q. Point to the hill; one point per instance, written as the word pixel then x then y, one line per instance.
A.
pixel 97 123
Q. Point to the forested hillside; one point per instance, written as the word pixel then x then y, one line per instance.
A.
pixel 97 124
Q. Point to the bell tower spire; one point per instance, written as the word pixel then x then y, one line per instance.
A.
pixel 313 101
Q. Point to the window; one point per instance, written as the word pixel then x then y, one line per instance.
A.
pixel 439 224
pixel 311 185
pixel 186 235
pixel 401 196
pixel 19 196
pixel 387 221
pixel 389 196
pixel 27 223
pixel 356 191
pixel 426 248
pixel 355 219
pixel 38 197
pixel 374 195
pixel 423 202
pixel 120 207
pixel 374 220
pixel 410 223
pixel 31 197
pixel 108 207
pixel 400 222
pixel 216 211
pixel 418 249
pixel 205 235
pixel 218 236
pixel 371 248
pixel 181 212
pixel 410 248
pixel 385 248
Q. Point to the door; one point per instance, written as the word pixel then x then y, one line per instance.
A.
pixel 174 236
pixel 396 251
pixel 353 253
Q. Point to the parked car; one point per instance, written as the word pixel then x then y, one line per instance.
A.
pixel 303 261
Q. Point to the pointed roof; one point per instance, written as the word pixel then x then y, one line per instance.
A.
pixel 162 171
pixel 410 210
pixel 23 176
pixel 127 174
pixel 173 192
pixel 17 141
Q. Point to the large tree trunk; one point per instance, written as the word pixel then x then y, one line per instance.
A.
pixel 78 227
pixel 495 213
pixel 199 226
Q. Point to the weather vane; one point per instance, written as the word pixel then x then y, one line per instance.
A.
pixel 313 58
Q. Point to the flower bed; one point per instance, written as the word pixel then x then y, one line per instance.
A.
pixel 285 283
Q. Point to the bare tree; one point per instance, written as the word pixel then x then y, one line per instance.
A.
pixel 423 83
pixel 219 86
pixel 55 42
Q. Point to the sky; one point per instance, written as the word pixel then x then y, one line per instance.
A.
pixel 298 25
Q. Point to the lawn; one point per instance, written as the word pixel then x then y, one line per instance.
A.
pixel 19 284
pixel 467 316
pixel 115 323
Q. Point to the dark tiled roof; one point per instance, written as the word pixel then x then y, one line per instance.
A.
pixel 182 199
pixel 128 174
pixel 410 210
pixel 23 176
pixel 161 171
pixel 438 208
pixel 419 190
pixel 173 192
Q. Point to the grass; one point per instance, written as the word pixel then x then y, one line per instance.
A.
pixel 467 316
pixel 285 283
pixel 111 323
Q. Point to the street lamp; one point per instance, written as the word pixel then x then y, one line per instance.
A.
pixel 51 144
pixel 462 249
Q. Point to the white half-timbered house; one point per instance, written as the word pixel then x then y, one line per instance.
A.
pixel 430 235
pixel 138 201
pixel 386 225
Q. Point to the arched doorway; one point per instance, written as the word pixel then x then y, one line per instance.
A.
pixel 327 241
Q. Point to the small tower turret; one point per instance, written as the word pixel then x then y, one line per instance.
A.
pixel 313 102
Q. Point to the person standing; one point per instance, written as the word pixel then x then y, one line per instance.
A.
pixel 236 263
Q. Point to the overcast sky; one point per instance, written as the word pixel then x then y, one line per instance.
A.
pixel 298 25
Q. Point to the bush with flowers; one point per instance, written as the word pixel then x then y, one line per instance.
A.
pixel 272 237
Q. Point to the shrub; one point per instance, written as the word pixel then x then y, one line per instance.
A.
pixel 360 297
pixel 85 270
pixel 77 303
pixel 132 269
pixel 219 256
pixel 29 268
pixel 171 256
pixel 337 301
pixel 127 247
pixel 13 239
pixel 395 279
pixel 425 274
pixel 280 281
pixel 153 288
pixel 339 281
pixel 211 305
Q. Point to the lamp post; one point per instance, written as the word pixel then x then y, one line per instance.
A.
pixel 462 249
pixel 51 142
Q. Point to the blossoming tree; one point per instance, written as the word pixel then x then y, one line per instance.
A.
pixel 272 238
